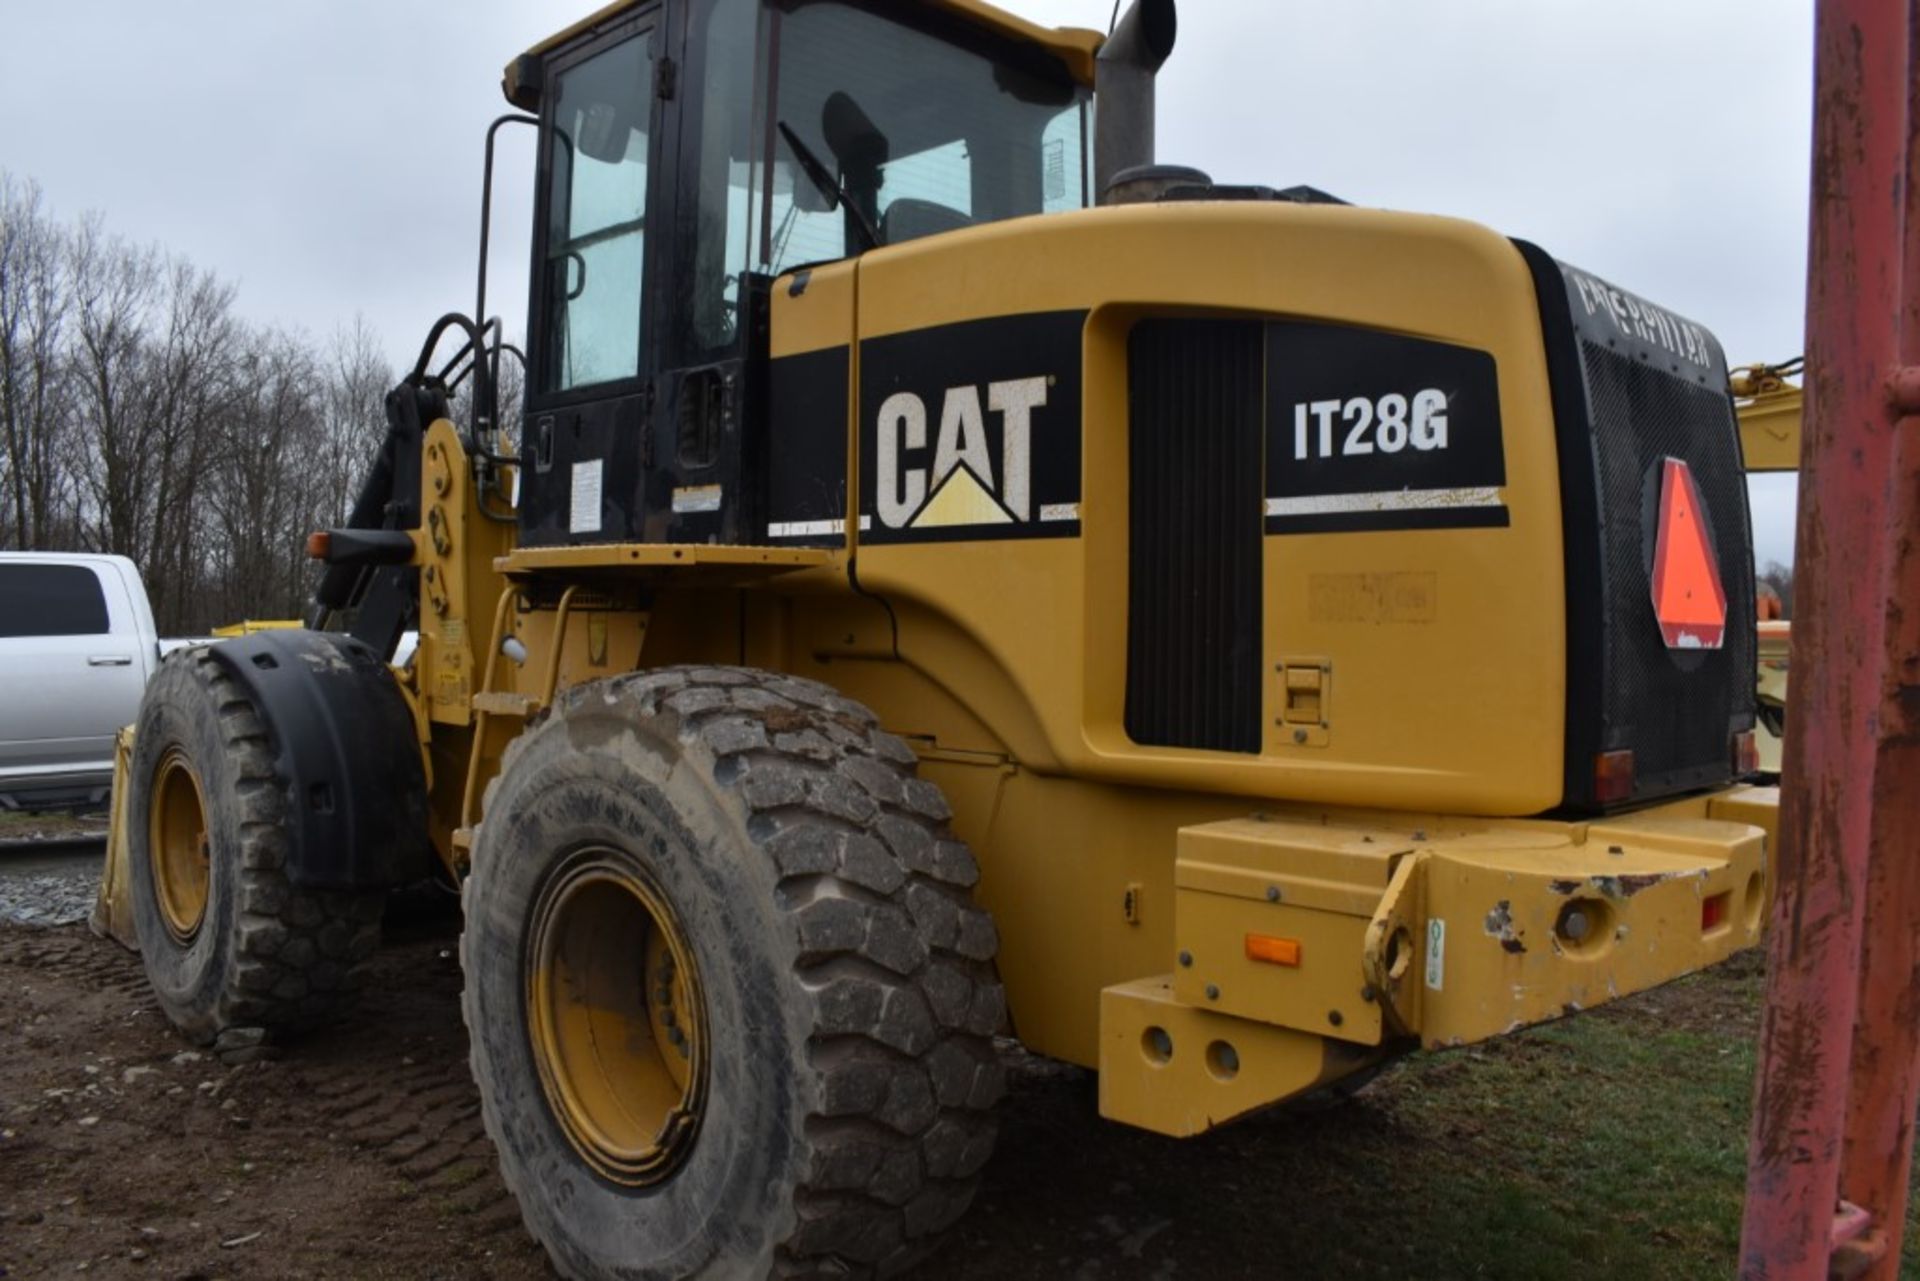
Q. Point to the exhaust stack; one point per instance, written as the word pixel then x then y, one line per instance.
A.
pixel 1123 87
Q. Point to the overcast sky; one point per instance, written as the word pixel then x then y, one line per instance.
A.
pixel 325 154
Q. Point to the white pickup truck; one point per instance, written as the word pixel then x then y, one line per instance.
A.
pixel 77 645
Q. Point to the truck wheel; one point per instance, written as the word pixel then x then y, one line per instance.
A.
pixel 226 940
pixel 731 1005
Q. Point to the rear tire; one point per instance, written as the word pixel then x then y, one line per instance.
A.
pixel 835 982
pixel 227 941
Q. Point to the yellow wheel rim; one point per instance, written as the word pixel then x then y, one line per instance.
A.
pixel 616 1019
pixel 177 845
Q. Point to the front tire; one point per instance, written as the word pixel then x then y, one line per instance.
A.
pixel 226 940
pixel 746 860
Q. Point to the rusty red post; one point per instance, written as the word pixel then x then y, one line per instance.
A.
pixel 1840 1041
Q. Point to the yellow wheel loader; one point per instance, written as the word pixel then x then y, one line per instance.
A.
pixel 955 578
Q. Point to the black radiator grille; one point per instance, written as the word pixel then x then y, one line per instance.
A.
pixel 1675 711
pixel 1194 587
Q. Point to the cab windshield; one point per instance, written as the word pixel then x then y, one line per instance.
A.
pixel 924 125
pixel 924 133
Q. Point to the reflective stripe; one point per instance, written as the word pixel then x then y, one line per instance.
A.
pixel 813 528
pixel 1389 500
pixel 807 529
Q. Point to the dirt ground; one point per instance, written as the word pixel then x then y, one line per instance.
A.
pixel 123 1153
pixel 361 1153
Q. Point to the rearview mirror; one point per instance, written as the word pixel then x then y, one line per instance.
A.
pixel 603 134
pixel 856 142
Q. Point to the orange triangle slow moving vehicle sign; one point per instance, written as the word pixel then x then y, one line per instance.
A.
pixel 1687 596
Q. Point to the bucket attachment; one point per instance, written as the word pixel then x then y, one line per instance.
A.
pixel 113 909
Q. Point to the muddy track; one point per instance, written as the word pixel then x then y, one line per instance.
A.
pixel 73 954
pixel 358 1152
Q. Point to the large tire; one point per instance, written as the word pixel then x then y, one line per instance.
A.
pixel 847 997
pixel 228 943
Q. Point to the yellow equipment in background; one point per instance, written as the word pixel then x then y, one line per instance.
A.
pixel 1776 645
pixel 1769 404
pixel 248 627
pixel 953 578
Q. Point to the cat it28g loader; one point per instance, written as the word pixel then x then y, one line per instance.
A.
pixel 955 578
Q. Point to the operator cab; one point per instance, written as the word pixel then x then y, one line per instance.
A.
pixel 691 153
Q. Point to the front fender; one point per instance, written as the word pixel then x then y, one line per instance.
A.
pixel 346 751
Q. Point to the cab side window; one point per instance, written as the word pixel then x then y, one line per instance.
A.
pixel 595 253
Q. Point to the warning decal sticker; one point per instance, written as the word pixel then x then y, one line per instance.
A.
pixel 1688 598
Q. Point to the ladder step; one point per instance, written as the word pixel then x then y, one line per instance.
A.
pixel 504 704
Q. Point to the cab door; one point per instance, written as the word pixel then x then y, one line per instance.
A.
pixel 708 478
pixel 598 251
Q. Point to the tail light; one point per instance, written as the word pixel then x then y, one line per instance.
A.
pixel 1713 911
pixel 1746 754
pixel 1613 777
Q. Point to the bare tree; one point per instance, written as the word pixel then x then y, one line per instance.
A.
pixel 259 497
pixel 190 385
pixel 357 378
pixel 140 416
pixel 113 285
pixel 33 313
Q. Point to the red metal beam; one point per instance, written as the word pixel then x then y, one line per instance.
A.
pixel 1840 1041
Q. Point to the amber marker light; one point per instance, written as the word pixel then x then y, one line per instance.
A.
pixel 319 545
pixel 1274 951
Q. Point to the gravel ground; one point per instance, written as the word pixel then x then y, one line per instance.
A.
pixel 46 877
pixel 55 897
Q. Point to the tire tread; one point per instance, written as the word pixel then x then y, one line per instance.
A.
pixel 905 1097
pixel 286 976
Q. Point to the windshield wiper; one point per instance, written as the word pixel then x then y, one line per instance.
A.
pixel 831 187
